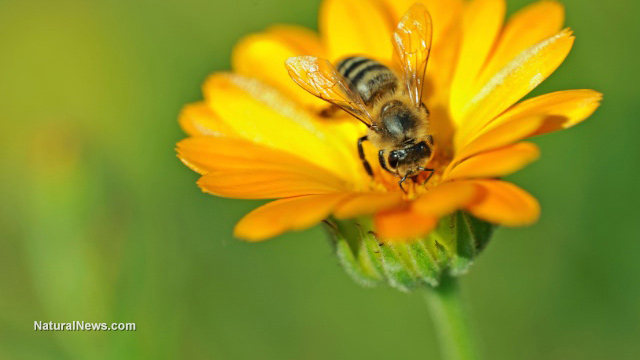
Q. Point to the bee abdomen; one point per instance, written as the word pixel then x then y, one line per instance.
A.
pixel 367 77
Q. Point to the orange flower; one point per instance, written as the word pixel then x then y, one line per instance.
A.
pixel 258 135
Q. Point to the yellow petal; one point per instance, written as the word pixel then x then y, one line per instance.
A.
pixel 561 110
pixel 499 136
pixel 368 203
pixel 262 56
pixel 443 13
pixel 441 68
pixel 495 163
pixel 356 27
pixel 283 215
pixel 504 203
pixel 198 119
pixel 445 198
pixel 513 82
pixel 482 21
pixel 403 224
pixel 207 154
pixel 260 114
pixel 305 41
pixel 265 184
pixel 524 29
pixel 440 71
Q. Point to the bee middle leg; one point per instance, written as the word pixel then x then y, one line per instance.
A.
pixel 363 158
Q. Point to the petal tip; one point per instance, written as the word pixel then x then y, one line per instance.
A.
pixel 240 233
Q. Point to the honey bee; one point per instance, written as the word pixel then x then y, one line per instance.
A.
pixel 389 105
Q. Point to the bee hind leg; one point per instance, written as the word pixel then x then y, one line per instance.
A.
pixel 329 111
pixel 363 158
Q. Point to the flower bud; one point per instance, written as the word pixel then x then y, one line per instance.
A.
pixel 448 250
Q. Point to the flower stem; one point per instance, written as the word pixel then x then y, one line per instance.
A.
pixel 450 321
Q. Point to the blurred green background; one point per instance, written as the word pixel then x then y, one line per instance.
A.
pixel 100 222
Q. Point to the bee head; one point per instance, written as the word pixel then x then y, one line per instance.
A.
pixel 411 159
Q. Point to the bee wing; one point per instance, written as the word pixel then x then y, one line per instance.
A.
pixel 321 79
pixel 412 43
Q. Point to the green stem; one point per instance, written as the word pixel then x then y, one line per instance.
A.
pixel 450 321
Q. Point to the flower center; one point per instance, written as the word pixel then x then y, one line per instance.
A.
pixel 413 187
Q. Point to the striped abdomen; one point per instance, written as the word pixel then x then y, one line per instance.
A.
pixel 367 77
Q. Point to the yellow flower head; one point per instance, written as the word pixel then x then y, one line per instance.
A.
pixel 258 135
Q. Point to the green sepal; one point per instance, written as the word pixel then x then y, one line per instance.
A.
pixel 449 250
pixel 351 261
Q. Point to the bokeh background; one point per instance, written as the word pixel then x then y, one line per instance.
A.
pixel 100 222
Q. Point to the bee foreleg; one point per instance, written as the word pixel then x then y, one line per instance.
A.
pixel 383 163
pixel 404 178
pixel 365 163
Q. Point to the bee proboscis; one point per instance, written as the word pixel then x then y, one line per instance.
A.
pixel 389 105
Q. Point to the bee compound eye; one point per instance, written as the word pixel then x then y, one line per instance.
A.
pixel 393 159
